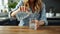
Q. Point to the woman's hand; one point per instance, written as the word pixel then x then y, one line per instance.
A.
pixel 23 8
pixel 38 23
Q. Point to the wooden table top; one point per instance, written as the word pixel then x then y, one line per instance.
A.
pixel 26 30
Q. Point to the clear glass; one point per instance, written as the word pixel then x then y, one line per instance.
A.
pixel 20 16
pixel 32 24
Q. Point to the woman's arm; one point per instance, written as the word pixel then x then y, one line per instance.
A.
pixel 18 5
pixel 17 8
pixel 43 15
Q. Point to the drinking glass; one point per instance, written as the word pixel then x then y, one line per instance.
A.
pixel 20 16
pixel 32 23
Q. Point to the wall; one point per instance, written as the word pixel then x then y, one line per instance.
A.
pixel 54 3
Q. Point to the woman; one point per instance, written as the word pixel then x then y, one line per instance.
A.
pixel 35 6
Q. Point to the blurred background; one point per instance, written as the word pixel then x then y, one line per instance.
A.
pixel 52 11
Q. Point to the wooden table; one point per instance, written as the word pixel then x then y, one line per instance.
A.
pixel 26 30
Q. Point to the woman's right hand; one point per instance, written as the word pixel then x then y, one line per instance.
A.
pixel 20 9
pixel 23 9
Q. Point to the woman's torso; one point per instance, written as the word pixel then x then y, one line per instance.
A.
pixel 25 21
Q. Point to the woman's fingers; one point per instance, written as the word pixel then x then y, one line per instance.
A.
pixel 41 22
pixel 23 8
pixel 38 23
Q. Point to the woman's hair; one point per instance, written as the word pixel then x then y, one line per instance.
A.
pixel 37 5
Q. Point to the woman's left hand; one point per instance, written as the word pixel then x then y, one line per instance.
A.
pixel 38 23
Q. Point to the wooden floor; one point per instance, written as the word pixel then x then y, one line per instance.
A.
pixel 26 30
